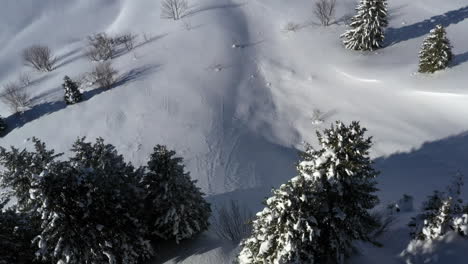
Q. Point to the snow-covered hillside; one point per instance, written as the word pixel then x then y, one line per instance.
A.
pixel 235 93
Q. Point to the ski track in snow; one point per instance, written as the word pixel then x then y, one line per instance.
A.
pixel 356 78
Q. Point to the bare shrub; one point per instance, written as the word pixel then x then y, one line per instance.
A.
pixel 24 79
pixel 101 47
pixel 104 75
pixel 325 11
pixel 127 39
pixel 174 9
pixel 39 57
pixel 292 27
pixel 15 97
pixel 232 222
pixel 318 116
pixel 386 221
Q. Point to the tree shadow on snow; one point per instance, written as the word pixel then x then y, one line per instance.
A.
pixel 42 109
pixel 201 244
pixel 69 57
pixel 122 50
pixel 423 170
pixel 397 35
pixel 460 59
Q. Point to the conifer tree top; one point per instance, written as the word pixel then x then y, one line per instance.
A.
pixel 436 52
pixel 367 26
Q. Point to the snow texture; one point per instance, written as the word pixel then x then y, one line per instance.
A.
pixel 239 128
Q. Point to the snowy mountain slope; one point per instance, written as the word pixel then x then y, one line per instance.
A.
pixel 237 115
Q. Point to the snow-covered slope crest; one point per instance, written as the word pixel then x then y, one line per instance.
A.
pixel 238 115
pixel 178 87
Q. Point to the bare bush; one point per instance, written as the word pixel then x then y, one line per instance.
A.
pixel 39 57
pixel 127 39
pixel 15 97
pixel 174 9
pixel 24 79
pixel 101 47
pixel 386 221
pixel 232 222
pixel 104 75
pixel 318 116
pixel 292 27
pixel 325 11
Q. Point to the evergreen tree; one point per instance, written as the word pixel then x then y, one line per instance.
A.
pixel 3 126
pixel 316 216
pixel 367 26
pixel 442 212
pixel 174 207
pixel 89 206
pixel 16 232
pixel 72 92
pixel 20 168
pixel 436 51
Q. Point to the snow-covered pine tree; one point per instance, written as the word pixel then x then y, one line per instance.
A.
pixel 436 51
pixel 367 26
pixel 16 232
pixel 89 206
pixel 286 231
pixel 20 168
pixel 72 92
pixel 3 126
pixel 442 212
pixel 316 216
pixel 174 206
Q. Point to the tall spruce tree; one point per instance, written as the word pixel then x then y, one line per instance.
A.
pixel 20 168
pixel 436 51
pixel 72 92
pixel 88 205
pixel 174 206
pixel 367 26
pixel 316 216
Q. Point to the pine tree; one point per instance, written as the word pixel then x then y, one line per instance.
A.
pixel 72 92
pixel 89 207
pixel 21 167
pixel 16 232
pixel 436 51
pixel 316 216
pixel 367 26
pixel 442 212
pixel 174 207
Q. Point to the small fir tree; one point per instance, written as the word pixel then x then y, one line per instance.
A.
pixel 174 206
pixel 72 92
pixel 316 216
pixel 436 51
pixel 367 26
pixel 442 212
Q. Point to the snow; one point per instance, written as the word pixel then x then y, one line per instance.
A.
pixel 238 124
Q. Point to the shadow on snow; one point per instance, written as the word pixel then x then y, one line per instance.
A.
pixel 37 111
pixel 397 35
